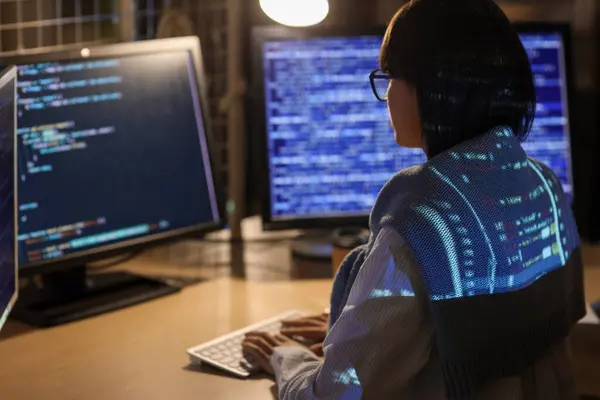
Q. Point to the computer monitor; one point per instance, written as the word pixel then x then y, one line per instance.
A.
pixel 328 147
pixel 115 154
pixel 8 178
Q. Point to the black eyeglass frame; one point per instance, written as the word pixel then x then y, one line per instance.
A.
pixel 378 74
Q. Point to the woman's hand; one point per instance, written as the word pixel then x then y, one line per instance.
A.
pixel 312 328
pixel 258 348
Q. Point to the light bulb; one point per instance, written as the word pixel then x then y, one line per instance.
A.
pixel 296 13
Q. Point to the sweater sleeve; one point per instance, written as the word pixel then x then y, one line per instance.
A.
pixel 382 339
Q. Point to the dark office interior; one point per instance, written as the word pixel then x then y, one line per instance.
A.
pixel 110 312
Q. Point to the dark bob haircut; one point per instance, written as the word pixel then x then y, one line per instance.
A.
pixel 468 66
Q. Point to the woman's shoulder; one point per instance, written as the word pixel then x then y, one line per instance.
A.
pixel 551 183
pixel 389 244
pixel 545 170
pixel 398 191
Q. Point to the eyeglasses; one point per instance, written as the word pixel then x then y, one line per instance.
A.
pixel 380 82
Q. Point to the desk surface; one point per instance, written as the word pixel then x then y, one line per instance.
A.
pixel 139 352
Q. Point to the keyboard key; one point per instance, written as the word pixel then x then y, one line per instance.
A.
pixel 229 360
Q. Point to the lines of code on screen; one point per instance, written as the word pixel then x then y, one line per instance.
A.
pixel 330 144
pixel 110 150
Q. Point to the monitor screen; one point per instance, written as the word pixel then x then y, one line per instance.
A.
pixel 330 145
pixel 112 151
pixel 8 273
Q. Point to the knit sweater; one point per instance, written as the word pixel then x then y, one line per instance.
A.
pixel 499 257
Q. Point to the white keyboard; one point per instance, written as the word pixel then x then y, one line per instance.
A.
pixel 225 352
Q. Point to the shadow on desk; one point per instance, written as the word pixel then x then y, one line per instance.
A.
pixel 251 261
pixel 207 369
pixel 14 328
pixel 184 277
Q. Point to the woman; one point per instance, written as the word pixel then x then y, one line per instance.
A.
pixel 472 279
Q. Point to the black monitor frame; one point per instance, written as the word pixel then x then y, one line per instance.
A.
pixel 7 76
pixel 260 35
pixel 257 103
pixel 190 44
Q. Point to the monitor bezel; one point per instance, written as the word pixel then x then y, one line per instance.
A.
pixel 259 36
pixel 193 46
pixel 8 75
pixel 257 104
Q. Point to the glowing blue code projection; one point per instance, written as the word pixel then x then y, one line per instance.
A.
pixel 110 151
pixel 330 144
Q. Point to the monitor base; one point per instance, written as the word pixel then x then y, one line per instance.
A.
pixel 313 246
pixel 321 247
pixel 72 295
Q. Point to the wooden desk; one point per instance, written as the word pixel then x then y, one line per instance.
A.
pixel 139 353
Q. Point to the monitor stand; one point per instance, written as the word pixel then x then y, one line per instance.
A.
pixel 315 245
pixel 319 245
pixel 70 295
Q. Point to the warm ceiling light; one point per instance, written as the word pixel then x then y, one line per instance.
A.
pixel 296 12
